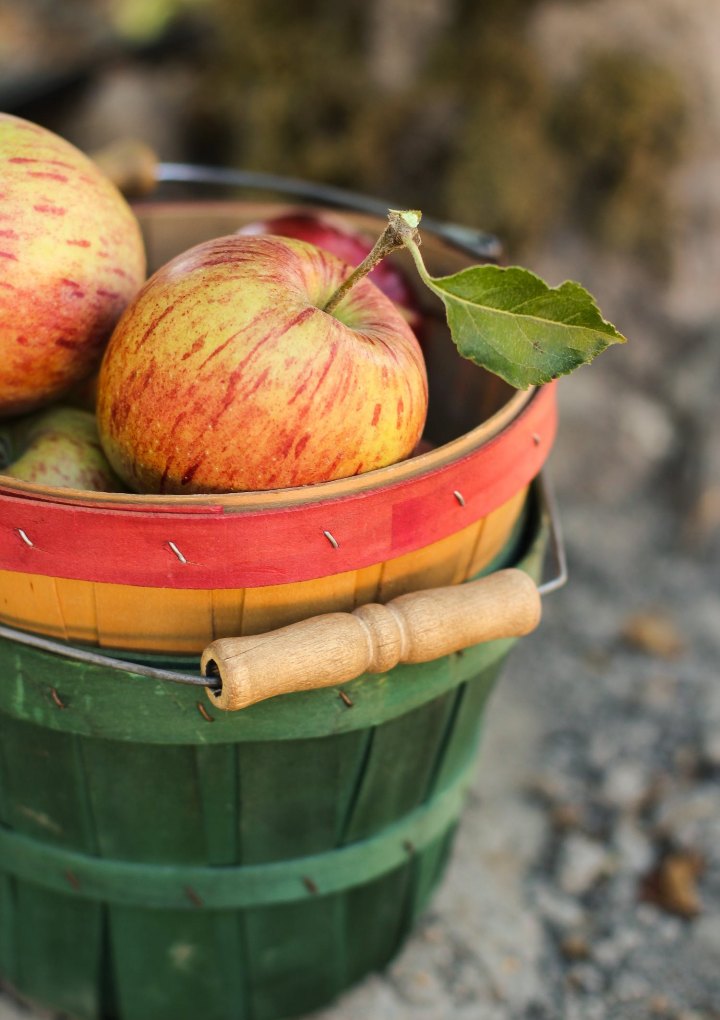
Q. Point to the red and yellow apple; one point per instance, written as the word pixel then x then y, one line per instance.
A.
pixel 226 374
pixel 58 447
pixel 340 238
pixel 71 257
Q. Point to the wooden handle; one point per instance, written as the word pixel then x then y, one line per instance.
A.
pixel 130 164
pixel 328 650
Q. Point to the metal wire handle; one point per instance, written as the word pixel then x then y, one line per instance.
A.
pixel 478 243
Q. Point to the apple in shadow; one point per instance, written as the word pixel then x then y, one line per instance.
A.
pixel 58 447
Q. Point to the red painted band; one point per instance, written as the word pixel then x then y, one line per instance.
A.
pixel 222 549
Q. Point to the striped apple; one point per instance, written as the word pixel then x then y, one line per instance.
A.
pixel 226 374
pixel 57 447
pixel 71 257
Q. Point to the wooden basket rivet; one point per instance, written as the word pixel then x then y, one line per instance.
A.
pixel 177 552
pixel 24 537
pixel 56 698
pixel 194 898
pixel 459 497
pixel 72 880
pixel 331 539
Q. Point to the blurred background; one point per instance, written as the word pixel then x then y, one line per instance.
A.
pixel 586 135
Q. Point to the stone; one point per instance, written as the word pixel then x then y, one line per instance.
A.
pixel 575 946
pixel 613 950
pixel 710 739
pixel 557 909
pixel 654 632
pixel 706 934
pixel 690 818
pixel 626 785
pixel 583 862
pixel 630 987
pixel 586 978
pixel 633 849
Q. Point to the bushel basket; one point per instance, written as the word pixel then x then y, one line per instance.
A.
pixel 162 859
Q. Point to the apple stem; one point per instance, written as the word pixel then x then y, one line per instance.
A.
pixel 401 227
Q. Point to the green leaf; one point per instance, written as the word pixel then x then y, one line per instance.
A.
pixel 512 323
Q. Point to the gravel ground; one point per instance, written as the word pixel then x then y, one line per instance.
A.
pixel 585 881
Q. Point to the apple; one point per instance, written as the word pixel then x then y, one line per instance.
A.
pixel 71 257
pixel 341 239
pixel 226 374
pixel 57 447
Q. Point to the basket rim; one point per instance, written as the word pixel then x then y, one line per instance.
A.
pixel 273 499
pixel 213 546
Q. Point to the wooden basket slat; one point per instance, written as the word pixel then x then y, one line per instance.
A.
pixel 44 785
pixel 216 766
pixel 380 907
pixel 8 930
pixel 59 950
pixel 282 786
pixel 154 812
pixel 176 965
pixel 464 736
pixel 284 943
pixel 428 868
pixel 78 609
pixel 227 610
pixel 433 566
pixel 367 584
pixel 166 620
pixel 495 532
pixel 27 598
pixel 278 605
pixel 387 791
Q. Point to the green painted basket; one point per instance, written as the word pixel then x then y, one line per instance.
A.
pixel 160 860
